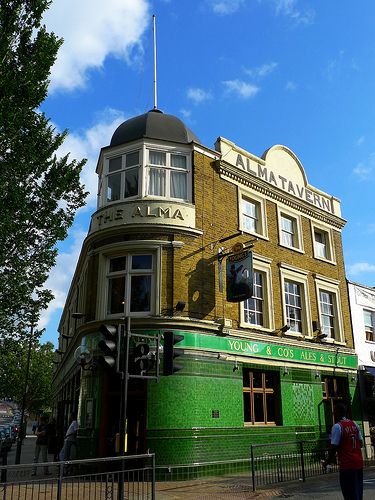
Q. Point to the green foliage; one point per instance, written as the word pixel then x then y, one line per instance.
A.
pixel 40 192
pixel 13 365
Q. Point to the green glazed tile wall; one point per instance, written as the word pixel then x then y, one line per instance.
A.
pixel 188 399
pixel 181 429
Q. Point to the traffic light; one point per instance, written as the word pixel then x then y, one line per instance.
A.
pixel 170 352
pixel 143 359
pixel 108 346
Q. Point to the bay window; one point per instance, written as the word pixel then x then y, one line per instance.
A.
pixel 146 172
pixel 167 175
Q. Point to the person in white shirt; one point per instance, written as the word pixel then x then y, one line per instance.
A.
pixel 68 451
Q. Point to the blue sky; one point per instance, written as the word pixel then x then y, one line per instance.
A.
pixel 258 72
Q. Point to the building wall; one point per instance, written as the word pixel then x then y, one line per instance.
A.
pixel 197 415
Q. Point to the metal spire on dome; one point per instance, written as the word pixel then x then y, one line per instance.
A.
pixel 155 88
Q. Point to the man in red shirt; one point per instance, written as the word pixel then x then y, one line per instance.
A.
pixel 346 441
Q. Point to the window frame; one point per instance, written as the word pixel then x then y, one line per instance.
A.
pixel 261 216
pixel 299 276
pixel 122 172
pixel 168 169
pixel 128 249
pixel 372 331
pixel 262 265
pixel 324 284
pixel 327 233
pixel 283 212
pixel 264 390
pixel 143 167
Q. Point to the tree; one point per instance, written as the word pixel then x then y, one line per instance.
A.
pixel 40 193
pixel 12 372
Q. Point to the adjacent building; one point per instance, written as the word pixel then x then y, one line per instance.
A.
pixel 172 216
pixel 362 305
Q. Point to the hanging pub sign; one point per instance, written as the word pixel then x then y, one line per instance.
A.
pixel 239 271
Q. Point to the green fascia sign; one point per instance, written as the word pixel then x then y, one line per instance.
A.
pixel 253 349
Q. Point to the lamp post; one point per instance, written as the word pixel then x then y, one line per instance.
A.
pixel 21 434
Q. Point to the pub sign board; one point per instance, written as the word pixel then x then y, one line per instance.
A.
pixel 240 279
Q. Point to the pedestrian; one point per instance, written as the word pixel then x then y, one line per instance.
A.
pixel 68 451
pixel 34 426
pixel 346 441
pixel 41 444
pixel 52 439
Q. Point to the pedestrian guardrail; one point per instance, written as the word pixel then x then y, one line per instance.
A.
pixel 291 461
pixel 113 478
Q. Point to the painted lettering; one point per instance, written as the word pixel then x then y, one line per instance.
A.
pixel 262 172
pixel 308 195
pixel 291 188
pixel 308 356
pixel 178 215
pixel 118 214
pixel 285 352
pixel 317 200
pixel 272 179
pixel 300 190
pixel 248 167
pixel 326 204
pixel 239 162
pixel 137 211
pixel 283 181
pixel 149 213
pixel 164 211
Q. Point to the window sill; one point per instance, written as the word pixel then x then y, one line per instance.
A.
pixel 328 261
pixel 260 424
pixel 253 233
pixel 295 249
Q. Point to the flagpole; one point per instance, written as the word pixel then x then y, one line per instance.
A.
pixel 155 88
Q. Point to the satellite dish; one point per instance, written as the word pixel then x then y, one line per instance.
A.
pixel 82 355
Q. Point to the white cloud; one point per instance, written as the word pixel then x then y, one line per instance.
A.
pixel 198 95
pixel 294 11
pixel 261 71
pixel 92 30
pixel 363 173
pixel 360 141
pixel 186 113
pixel 364 170
pixel 290 86
pixel 224 7
pixel 241 88
pixel 361 267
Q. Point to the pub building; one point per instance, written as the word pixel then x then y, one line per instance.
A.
pixel 181 232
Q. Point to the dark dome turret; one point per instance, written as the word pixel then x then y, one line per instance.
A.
pixel 153 125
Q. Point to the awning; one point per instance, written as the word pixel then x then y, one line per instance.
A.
pixel 371 369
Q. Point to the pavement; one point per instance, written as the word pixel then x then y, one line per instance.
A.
pixel 236 486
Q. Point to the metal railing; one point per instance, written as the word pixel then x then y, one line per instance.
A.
pixel 291 461
pixel 114 478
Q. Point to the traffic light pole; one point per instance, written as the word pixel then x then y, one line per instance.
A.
pixel 123 363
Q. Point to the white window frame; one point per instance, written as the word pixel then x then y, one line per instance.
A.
pixel 128 249
pixel 372 326
pixel 325 284
pixel 296 218
pixel 169 151
pixel 122 173
pixel 143 173
pixel 327 232
pixel 262 265
pixel 299 276
pixel 260 205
